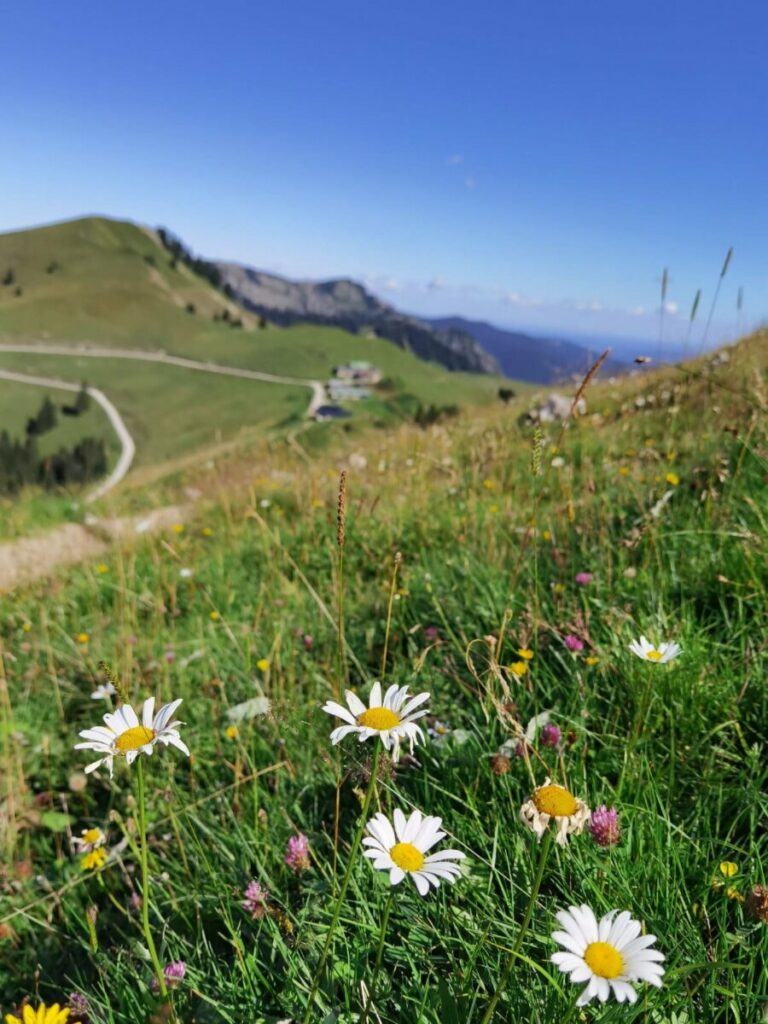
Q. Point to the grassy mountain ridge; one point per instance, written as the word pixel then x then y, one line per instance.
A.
pixel 105 282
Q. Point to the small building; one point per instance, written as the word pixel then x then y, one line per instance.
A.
pixel 359 372
pixel 341 391
pixel 331 412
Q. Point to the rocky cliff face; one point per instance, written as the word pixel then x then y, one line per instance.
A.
pixel 346 304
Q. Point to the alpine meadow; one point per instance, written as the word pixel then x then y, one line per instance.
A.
pixel 452 723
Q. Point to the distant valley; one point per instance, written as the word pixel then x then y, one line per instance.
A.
pixel 528 357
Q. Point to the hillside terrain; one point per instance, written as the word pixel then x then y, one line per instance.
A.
pixel 503 572
pixel 104 283
pixel 531 358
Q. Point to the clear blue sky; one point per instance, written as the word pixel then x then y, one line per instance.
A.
pixel 534 163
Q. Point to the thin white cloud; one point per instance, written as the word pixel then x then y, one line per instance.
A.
pixel 455 160
pixel 671 308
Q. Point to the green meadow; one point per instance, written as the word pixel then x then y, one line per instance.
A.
pixel 501 570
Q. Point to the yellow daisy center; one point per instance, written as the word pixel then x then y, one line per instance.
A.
pixel 654 655
pixel 603 960
pixel 91 835
pixel 133 739
pixel 380 719
pixel 555 800
pixel 407 857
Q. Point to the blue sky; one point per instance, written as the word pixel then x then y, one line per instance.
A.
pixel 535 164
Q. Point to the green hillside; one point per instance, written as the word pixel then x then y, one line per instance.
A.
pixel 502 572
pixel 111 282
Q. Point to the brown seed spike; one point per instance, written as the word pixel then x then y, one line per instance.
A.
pixel 341 509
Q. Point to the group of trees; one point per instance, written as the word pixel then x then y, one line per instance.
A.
pixel 203 268
pixel 426 415
pixel 226 317
pixel 45 420
pixel 21 464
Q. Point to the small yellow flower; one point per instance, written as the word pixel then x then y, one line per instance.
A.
pixel 207 531
pixel 26 626
pixel 728 869
pixel 546 535
pixel 733 894
pixel 102 567
pixel 42 1015
pixel 672 479
pixel 215 616
pixel 623 470
pixel 231 732
pixel 591 660
pixel 317 503
pixel 488 485
pixel 82 638
pixel 93 859
pixel 493 508
pixel 559 588
pixel 262 665
pixel 178 528
pixel 525 653
pixel 518 669
pixel 649 442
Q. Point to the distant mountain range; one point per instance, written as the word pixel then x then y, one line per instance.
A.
pixel 454 342
pixel 529 358
pixel 346 304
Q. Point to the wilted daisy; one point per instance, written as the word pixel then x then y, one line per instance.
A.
pixel 661 654
pixel 551 801
pixel 103 691
pixel 392 717
pixel 123 734
pixel 608 954
pixel 400 847
pixel 42 1015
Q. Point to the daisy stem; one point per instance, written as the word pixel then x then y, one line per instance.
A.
pixel 545 848
pixel 344 882
pixel 379 955
pixel 143 860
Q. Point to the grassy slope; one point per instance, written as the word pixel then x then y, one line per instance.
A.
pixel 19 402
pixel 678 749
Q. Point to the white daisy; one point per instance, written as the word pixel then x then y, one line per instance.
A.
pixel 392 717
pixel 608 954
pixel 552 801
pixel 103 692
pixel 661 654
pixel 89 839
pixel 400 847
pixel 123 734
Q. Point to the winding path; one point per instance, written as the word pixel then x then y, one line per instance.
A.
pixel 126 441
pixel 127 445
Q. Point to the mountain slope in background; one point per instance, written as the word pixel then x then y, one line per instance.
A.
pixel 525 357
pixel 346 304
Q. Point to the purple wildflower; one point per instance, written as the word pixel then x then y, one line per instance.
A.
pixel 308 640
pixel 255 901
pixel 78 1005
pixel 170 656
pixel 551 736
pixel 521 748
pixel 583 578
pixel 573 643
pixel 297 857
pixel 604 826
pixel 431 633
pixel 173 973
